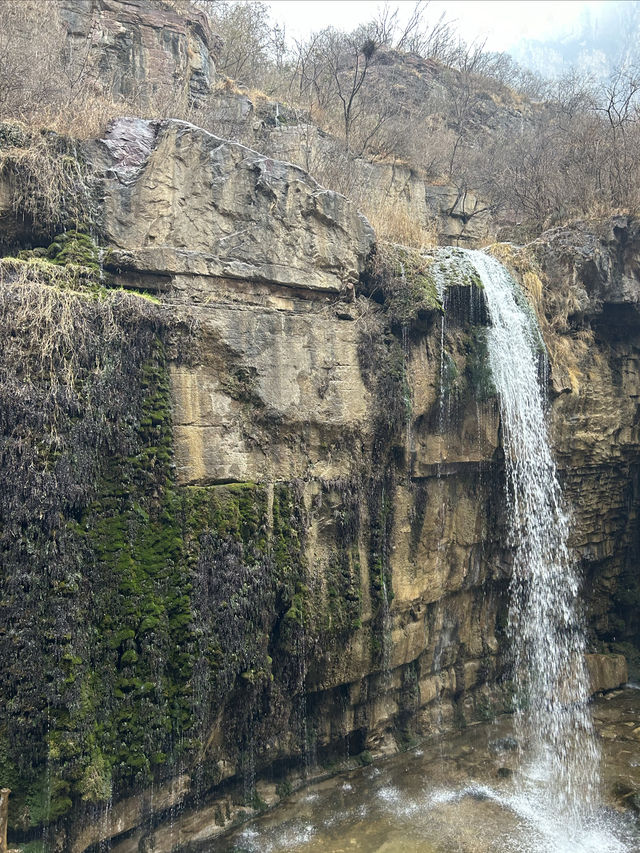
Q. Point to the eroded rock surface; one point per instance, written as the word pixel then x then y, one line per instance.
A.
pixel 300 399
pixel 588 297
pixel 450 215
pixel 143 50
pixel 312 477
pixel 387 429
pixel 188 203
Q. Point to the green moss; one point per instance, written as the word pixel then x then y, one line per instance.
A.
pixel 453 268
pixel 30 268
pixel 284 789
pixel 136 698
pixel 381 583
pixel 70 262
pixel 402 279
pixel 449 378
pixel 74 247
pixel 240 383
pixel 365 758
pixel 134 611
pixel 33 847
pixel 406 740
pixel 343 607
pixel 383 366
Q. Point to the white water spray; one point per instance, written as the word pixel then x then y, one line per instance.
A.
pixel 545 624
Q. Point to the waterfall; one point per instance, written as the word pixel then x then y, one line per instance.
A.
pixel 545 624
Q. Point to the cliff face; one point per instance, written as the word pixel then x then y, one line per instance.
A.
pixel 363 455
pixel 261 519
pixel 252 504
pixel 149 51
pixel 589 307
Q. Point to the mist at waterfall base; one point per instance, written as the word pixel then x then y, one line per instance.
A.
pixel 550 801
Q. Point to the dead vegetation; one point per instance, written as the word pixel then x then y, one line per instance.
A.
pixel 50 185
pixel 60 325
pixel 392 222
pixel 539 152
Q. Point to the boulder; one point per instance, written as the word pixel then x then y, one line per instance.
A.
pixel 606 672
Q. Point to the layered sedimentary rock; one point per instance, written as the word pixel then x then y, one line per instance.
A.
pixel 390 457
pixel 588 304
pixel 289 545
pixel 141 50
pixel 277 457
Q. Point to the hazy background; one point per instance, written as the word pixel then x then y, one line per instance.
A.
pixel 544 35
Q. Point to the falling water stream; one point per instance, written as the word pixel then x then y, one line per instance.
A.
pixel 545 626
pixel 560 774
pixel 550 803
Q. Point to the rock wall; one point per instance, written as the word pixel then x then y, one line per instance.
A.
pixel 138 49
pixel 301 378
pixel 290 546
pixel 451 216
pixel 589 310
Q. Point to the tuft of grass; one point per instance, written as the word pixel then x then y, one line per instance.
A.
pixel 56 306
pixel 50 183
pixel 392 222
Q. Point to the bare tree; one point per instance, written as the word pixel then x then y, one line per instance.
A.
pixel 252 47
pixel 332 69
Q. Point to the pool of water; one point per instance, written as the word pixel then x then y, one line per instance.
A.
pixel 462 795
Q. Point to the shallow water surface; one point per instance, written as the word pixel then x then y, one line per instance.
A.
pixel 457 797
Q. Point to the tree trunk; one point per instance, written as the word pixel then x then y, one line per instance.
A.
pixel 4 815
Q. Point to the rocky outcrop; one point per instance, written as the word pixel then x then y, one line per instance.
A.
pixel 298 380
pixel 606 672
pixel 449 215
pixel 315 513
pixel 151 52
pixel 587 291
pixel 292 536
pixel 222 210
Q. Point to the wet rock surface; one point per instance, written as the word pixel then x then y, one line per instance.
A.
pixel 456 795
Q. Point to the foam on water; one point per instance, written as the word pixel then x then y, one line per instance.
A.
pixel 538 830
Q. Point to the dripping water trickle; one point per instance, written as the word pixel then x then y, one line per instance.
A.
pixel 385 612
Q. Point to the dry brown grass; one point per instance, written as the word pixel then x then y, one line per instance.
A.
pixel 393 223
pixel 523 264
pixel 50 185
pixel 45 85
pixel 51 328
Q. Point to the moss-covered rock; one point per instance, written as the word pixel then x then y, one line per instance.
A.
pixel 401 278
pixel 134 611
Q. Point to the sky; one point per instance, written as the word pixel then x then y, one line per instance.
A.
pixel 503 23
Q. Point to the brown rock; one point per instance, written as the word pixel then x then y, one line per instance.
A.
pixel 606 672
pixel 143 50
pixel 184 202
